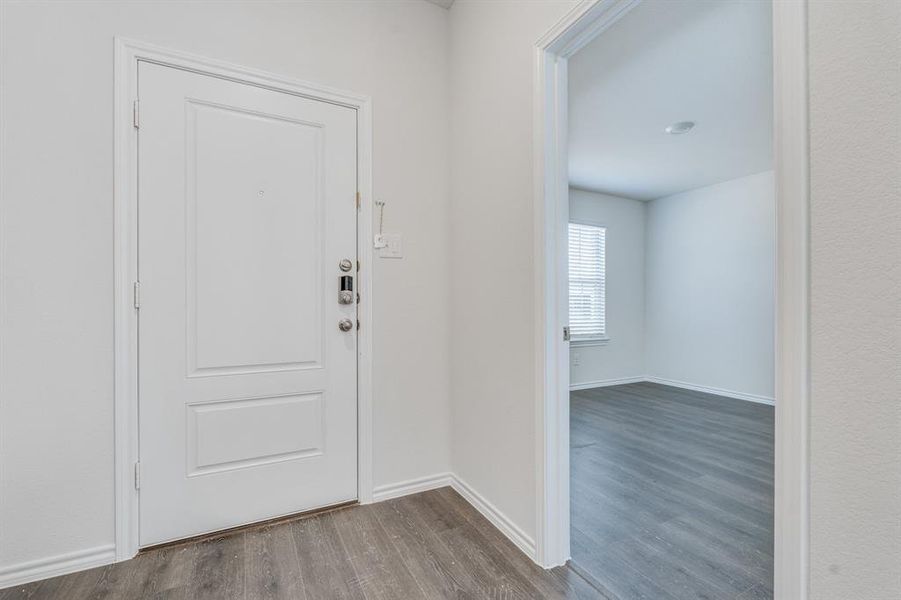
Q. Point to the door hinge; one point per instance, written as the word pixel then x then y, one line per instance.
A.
pixel 136 114
pixel 566 334
pixel 137 294
pixel 358 201
pixel 137 475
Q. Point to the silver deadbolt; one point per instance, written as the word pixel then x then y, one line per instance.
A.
pixel 345 265
pixel 345 324
pixel 346 289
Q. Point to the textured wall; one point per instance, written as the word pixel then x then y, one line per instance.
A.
pixel 855 418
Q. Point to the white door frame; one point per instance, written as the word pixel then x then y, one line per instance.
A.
pixel 582 24
pixel 127 55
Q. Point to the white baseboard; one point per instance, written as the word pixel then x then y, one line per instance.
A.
pixel 488 510
pixel 53 566
pixel 606 382
pixel 411 486
pixel 679 384
pixel 103 555
pixel 497 518
pixel 712 390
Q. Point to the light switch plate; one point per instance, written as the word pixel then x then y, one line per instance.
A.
pixel 394 246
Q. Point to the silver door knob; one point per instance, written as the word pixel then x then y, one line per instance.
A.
pixel 345 265
pixel 345 324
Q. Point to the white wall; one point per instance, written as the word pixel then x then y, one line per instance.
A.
pixel 623 355
pixel 56 226
pixel 855 321
pixel 710 286
pixel 492 346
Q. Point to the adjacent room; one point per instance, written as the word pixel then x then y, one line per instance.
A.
pixel 671 283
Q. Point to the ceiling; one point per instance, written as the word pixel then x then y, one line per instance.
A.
pixel 664 62
pixel 442 3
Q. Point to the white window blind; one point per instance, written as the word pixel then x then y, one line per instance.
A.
pixel 587 282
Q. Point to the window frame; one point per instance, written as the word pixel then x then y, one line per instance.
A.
pixel 603 339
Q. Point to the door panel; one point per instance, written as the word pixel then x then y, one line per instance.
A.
pixel 242 237
pixel 247 386
pixel 221 435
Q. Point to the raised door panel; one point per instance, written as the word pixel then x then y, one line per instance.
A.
pixel 254 260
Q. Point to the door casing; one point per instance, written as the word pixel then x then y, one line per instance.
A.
pixel 127 55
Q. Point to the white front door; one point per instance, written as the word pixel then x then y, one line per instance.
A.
pixel 247 385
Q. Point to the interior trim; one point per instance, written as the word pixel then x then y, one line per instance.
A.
pixel 61 564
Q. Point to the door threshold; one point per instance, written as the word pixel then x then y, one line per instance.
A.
pixel 590 579
pixel 298 516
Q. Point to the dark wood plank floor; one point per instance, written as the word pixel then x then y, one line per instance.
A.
pixel 672 493
pixel 429 545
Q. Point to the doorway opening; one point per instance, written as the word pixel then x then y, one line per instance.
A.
pixel 685 318
pixel 671 278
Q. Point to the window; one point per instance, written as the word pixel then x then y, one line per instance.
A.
pixel 587 282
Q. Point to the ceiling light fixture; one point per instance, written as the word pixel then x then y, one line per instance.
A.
pixel 680 127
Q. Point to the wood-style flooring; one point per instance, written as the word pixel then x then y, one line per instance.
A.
pixel 672 498
pixel 672 493
pixel 429 545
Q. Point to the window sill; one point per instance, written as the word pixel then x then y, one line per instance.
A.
pixel 593 342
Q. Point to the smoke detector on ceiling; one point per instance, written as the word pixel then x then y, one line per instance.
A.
pixel 680 127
